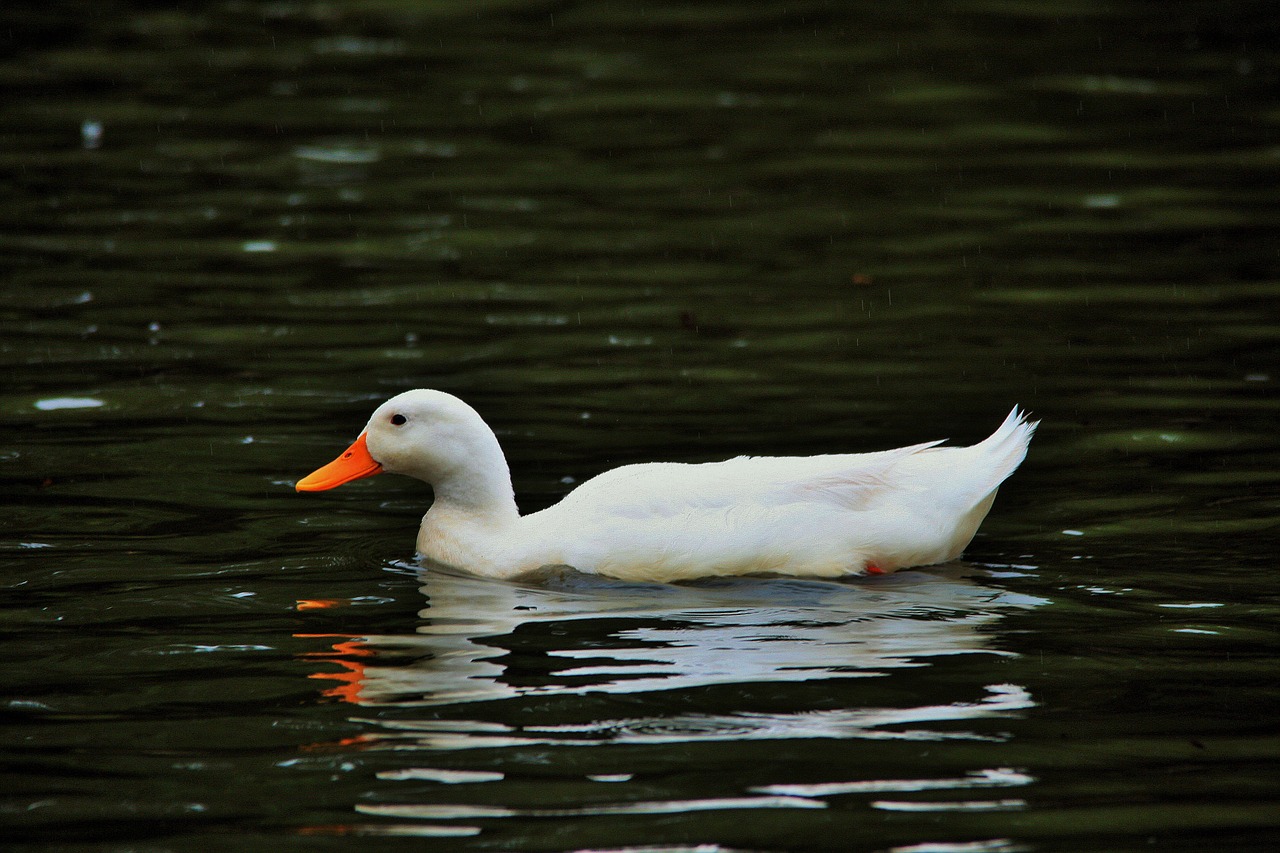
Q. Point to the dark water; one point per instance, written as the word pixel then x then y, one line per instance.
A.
pixel 627 232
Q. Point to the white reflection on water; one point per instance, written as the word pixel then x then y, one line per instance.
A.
pixel 565 634
pixel 452 811
pixel 482 640
pixel 1000 777
pixel 866 723
pixel 950 806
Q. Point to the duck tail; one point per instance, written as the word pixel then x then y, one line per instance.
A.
pixel 1004 450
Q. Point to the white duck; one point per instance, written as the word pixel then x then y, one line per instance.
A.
pixel 818 516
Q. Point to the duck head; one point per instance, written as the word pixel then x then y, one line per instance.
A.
pixel 429 435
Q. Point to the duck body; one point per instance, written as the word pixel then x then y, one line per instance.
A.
pixel 816 516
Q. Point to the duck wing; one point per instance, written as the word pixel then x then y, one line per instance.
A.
pixel 664 489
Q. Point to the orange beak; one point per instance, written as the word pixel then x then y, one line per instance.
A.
pixel 353 464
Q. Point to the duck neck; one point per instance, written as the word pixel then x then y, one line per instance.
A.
pixel 471 521
pixel 480 492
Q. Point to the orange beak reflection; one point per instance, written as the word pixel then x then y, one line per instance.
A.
pixel 354 463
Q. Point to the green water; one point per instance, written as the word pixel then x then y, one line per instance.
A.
pixel 627 232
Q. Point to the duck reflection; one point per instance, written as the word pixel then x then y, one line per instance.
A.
pixel 562 632
pixel 433 702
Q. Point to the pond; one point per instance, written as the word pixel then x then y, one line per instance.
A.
pixel 630 232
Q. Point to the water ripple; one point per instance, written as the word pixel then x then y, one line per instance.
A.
pixel 473 812
pixel 996 778
pixel 864 723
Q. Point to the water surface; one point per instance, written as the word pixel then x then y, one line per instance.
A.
pixel 624 233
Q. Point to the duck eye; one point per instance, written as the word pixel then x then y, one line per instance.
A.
pixel 399 420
